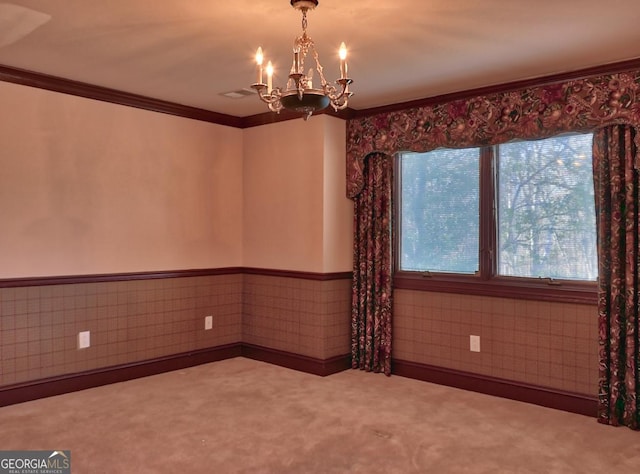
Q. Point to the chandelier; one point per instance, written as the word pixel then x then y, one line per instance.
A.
pixel 300 95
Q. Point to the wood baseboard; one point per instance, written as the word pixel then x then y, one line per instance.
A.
pixel 544 396
pixel 24 392
pixel 33 390
pixel 296 361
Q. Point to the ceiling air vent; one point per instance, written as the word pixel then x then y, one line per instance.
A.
pixel 239 94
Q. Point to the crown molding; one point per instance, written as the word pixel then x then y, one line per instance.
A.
pixel 114 96
pixel 611 68
pixel 89 91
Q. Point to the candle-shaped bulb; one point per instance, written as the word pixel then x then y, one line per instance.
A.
pixel 269 77
pixel 343 61
pixel 343 51
pixel 259 59
pixel 296 59
pixel 310 79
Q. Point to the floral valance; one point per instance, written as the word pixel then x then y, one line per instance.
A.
pixel 536 112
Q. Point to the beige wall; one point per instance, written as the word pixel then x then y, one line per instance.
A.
pixel 91 187
pixel 296 215
pixel 337 209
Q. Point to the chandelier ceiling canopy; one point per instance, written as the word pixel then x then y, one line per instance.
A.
pixel 300 95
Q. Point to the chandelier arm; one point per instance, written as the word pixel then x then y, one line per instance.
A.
pixel 319 67
pixel 332 92
pixel 275 107
pixel 272 99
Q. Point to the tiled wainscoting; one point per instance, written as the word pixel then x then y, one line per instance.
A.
pixel 146 319
pixel 305 317
pixel 545 344
pixel 541 352
pixel 129 321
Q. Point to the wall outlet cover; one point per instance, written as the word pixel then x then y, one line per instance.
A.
pixel 84 339
pixel 474 343
pixel 208 322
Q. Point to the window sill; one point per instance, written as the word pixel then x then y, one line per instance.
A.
pixel 517 288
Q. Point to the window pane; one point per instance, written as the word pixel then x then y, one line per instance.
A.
pixel 439 206
pixel 546 212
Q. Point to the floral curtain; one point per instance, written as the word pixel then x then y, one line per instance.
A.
pixel 371 300
pixel 536 112
pixel 616 159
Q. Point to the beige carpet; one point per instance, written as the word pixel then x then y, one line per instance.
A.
pixel 243 416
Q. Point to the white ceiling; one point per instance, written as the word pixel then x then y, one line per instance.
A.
pixel 191 51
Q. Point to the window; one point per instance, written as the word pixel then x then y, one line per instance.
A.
pixel 546 213
pixel 518 215
pixel 440 202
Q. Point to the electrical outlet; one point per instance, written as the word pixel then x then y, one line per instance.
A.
pixel 208 323
pixel 474 343
pixel 84 339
